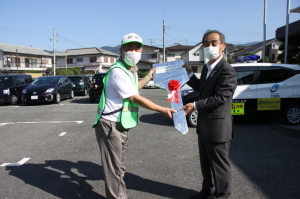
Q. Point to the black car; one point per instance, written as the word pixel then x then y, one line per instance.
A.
pixel 11 87
pixel 96 87
pixel 81 84
pixel 48 89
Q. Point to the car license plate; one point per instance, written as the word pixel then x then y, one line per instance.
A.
pixel 34 97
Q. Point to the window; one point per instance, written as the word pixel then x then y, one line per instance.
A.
pixel 15 62
pixel 170 55
pixel 105 59
pixel 112 60
pixel 79 59
pixel 69 60
pixel 30 63
pixel 273 76
pixel 244 77
pixel 20 80
pixel 93 59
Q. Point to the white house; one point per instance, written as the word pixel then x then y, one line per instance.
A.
pixel 152 54
pixel 272 50
pixel 194 57
pixel 89 59
pixel 174 52
pixel 15 58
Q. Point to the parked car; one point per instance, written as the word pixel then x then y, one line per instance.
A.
pixel 90 76
pixel 150 84
pixel 11 87
pixel 81 84
pixel 96 87
pixel 48 89
pixel 263 90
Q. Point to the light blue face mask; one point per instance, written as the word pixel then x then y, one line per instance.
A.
pixel 211 53
pixel 132 58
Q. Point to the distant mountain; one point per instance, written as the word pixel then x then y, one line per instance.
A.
pixel 248 44
pixel 230 47
pixel 112 49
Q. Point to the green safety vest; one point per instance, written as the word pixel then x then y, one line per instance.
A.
pixel 129 110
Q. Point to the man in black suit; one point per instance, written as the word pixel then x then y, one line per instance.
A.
pixel 214 125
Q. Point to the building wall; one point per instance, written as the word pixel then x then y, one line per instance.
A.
pixel 152 54
pixel 10 61
pixel 85 61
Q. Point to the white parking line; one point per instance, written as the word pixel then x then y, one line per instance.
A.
pixel 20 163
pixel 42 122
pixel 63 133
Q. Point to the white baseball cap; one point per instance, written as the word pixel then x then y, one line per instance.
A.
pixel 131 37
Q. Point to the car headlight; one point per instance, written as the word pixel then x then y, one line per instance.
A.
pixel 49 90
pixel 24 91
pixel 6 91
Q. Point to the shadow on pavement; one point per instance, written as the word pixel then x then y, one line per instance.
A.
pixel 156 119
pixel 268 154
pixel 65 179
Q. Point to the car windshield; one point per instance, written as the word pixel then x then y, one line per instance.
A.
pixel 45 80
pixel 75 79
pixel 6 81
pixel 99 78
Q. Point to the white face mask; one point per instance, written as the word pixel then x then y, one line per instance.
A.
pixel 211 53
pixel 132 58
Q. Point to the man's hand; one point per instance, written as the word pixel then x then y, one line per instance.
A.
pixel 150 74
pixel 188 69
pixel 187 108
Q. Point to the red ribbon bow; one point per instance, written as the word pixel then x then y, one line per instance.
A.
pixel 174 87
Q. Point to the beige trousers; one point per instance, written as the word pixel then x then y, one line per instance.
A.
pixel 112 139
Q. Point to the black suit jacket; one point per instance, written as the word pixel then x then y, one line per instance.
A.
pixel 214 103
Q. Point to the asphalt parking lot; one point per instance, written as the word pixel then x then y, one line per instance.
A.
pixel 50 151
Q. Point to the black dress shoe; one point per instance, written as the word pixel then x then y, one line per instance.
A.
pixel 203 194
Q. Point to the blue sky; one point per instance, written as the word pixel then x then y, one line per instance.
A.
pixel 97 23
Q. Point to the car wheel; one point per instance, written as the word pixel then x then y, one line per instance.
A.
pixel 57 100
pixel 291 115
pixel 14 100
pixel 85 92
pixel 192 118
pixel 72 94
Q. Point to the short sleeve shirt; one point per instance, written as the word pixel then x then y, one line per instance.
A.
pixel 119 87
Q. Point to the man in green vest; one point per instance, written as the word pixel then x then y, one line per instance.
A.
pixel 117 112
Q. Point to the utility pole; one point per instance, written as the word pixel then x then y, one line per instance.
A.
pixel 54 46
pixel 151 42
pixel 265 22
pixel 164 49
pixel 17 61
pixel 287 31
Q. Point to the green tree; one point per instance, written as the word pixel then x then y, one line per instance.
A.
pixel 65 72
pixel 266 60
pixel 293 56
pixel 77 70
pixel 142 74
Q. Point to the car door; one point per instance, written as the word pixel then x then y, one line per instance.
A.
pixel 68 86
pixel 63 88
pixel 20 85
pixel 275 82
pixel 246 87
pixel 244 98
